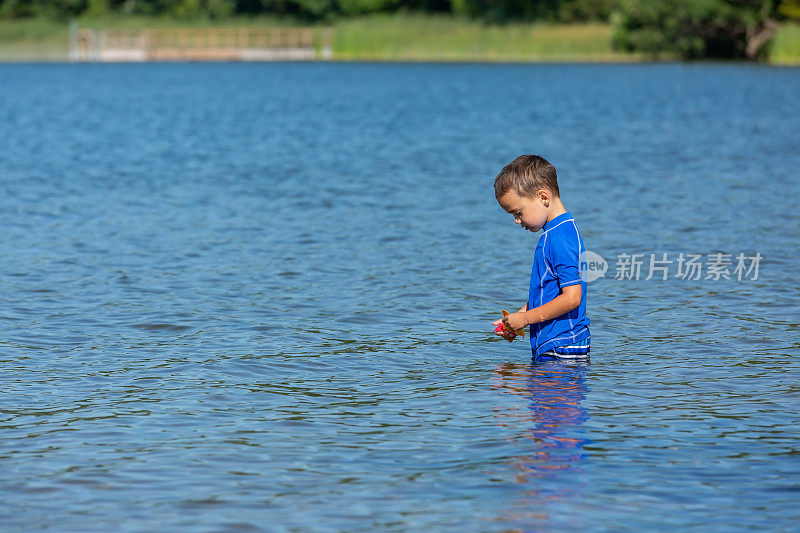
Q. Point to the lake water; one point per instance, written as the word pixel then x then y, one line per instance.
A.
pixel 244 297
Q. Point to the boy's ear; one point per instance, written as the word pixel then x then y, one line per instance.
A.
pixel 543 195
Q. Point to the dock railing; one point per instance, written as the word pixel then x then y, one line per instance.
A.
pixel 200 44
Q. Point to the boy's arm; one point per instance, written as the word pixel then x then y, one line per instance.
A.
pixel 569 299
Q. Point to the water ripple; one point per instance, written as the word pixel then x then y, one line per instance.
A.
pixel 259 296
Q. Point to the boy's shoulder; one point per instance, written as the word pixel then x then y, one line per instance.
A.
pixel 561 236
pixel 559 221
pixel 561 228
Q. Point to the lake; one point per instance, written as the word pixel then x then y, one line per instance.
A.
pixel 241 297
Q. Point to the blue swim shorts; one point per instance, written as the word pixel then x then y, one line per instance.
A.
pixel 579 350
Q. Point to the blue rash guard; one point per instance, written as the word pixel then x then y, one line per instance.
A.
pixel 556 264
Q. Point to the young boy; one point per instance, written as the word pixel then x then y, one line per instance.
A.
pixel 527 188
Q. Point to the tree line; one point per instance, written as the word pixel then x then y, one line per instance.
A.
pixel 692 29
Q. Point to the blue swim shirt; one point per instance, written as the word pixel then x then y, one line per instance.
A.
pixel 556 264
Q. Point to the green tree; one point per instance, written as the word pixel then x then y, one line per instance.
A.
pixel 312 9
pixel 790 9
pixel 427 6
pixel 357 7
pixel 527 10
pixel 584 10
pixel 696 29
pixel 506 10
pixel 213 9
pixel 12 9
pixel 97 7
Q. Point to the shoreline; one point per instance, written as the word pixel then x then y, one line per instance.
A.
pixel 395 38
pixel 428 61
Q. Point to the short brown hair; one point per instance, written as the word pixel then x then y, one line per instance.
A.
pixel 526 175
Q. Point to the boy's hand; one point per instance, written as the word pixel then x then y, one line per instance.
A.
pixel 507 334
pixel 515 321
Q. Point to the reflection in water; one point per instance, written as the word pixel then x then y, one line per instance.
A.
pixel 549 431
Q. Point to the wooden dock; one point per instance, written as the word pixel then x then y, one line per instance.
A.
pixel 200 44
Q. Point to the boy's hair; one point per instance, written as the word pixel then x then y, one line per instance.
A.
pixel 526 175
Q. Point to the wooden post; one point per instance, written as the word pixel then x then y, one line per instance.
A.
pixel 94 45
pixel 327 48
pixel 74 52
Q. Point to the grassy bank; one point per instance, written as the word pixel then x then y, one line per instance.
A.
pixel 408 37
pixel 415 37
pixel 33 39
pixel 785 48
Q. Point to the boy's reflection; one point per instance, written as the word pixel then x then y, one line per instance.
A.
pixel 550 425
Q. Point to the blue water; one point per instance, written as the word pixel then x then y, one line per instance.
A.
pixel 259 297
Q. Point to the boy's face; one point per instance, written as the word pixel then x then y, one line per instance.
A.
pixel 530 213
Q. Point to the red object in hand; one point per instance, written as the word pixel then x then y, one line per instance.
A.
pixel 503 327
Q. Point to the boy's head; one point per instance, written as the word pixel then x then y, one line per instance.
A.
pixel 525 176
pixel 527 188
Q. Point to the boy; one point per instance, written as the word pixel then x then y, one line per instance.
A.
pixel 527 188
